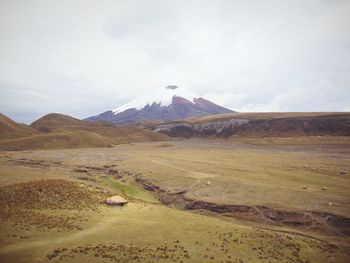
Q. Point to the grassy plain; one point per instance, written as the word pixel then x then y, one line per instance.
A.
pixel 248 174
pixel 228 172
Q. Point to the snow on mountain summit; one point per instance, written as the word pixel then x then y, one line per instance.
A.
pixel 161 96
pixel 165 104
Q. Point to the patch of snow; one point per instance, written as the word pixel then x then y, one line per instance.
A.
pixel 161 96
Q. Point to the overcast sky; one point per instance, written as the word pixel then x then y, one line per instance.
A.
pixel 85 57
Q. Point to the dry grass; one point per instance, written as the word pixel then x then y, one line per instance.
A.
pixel 318 141
pixel 54 121
pixel 142 231
pixel 10 129
pixel 248 175
pixel 50 194
pixel 122 134
pixel 263 115
pixel 152 233
pixel 57 140
pixel 37 204
pixel 131 134
pixel 58 131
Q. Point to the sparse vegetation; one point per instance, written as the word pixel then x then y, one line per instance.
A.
pixel 36 204
pixel 130 191
pixel 66 220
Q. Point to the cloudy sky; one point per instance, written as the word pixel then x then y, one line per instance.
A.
pixel 85 57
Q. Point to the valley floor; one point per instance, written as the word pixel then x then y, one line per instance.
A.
pixel 198 200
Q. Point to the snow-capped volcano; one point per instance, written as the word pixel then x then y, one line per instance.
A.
pixel 163 97
pixel 170 103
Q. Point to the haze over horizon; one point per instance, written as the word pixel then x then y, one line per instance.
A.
pixel 82 58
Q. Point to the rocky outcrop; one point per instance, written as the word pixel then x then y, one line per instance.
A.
pixel 336 125
pixel 116 201
pixel 220 128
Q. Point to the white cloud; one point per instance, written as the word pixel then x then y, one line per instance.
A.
pixel 84 57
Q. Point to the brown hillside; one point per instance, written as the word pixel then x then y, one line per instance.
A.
pixel 26 204
pixel 58 131
pixel 10 129
pixel 44 194
pixel 56 140
pixel 54 121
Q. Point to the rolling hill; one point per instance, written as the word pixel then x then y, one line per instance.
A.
pixel 56 140
pixel 10 129
pixel 53 121
pixel 58 131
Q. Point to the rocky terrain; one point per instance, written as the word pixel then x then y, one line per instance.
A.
pixel 335 125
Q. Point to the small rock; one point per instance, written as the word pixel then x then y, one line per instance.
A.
pixel 342 172
pixel 305 187
pixel 324 188
pixel 208 183
pixel 330 203
pixel 116 200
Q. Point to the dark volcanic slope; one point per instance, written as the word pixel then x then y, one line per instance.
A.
pixel 180 108
pixel 317 125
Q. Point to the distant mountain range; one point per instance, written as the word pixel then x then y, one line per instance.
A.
pixel 167 104
pixel 58 131
pixel 165 113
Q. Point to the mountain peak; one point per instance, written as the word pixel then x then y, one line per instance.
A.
pixel 161 96
pixel 169 103
pixel 171 87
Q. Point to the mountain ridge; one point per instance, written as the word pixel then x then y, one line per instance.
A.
pixel 171 103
